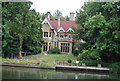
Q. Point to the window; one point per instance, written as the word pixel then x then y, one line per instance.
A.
pixel 61 30
pixel 65 47
pixel 49 46
pixel 70 36
pixel 45 46
pixel 55 44
pixel 45 34
pixel 61 35
pixel 50 34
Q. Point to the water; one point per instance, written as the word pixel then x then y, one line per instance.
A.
pixel 31 73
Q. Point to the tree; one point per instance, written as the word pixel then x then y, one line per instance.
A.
pixel 100 29
pixel 67 18
pixel 58 13
pixel 46 15
pixel 34 41
pixel 22 23
pixel 9 43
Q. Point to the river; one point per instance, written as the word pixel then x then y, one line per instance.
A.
pixel 32 73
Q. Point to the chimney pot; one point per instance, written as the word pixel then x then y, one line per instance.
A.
pixel 72 18
pixel 48 16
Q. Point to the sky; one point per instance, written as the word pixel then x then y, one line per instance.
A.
pixel 64 6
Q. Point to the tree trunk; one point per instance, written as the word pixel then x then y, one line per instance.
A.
pixel 20 52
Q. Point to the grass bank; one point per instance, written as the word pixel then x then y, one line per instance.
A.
pixel 49 59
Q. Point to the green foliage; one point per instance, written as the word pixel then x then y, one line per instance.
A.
pixel 50 59
pixel 100 29
pixel 69 61
pixel 46 15
pixel 34 41
pixel 67 18
pixel 9 43
pixel 89 57
pixel 54 50
pixel 58 13
pixel 20 25
pixel 55 16
pixel 115 67
pixel 75 52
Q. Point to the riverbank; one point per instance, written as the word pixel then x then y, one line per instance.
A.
pixel 42 59
pixel 29 66
pixel 50 61
pixel 69 68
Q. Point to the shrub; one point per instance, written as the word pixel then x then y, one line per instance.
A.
pixel 115 67
pixel 91 62
pixel 75 52
pixel 89 57
pixel 54 51
pixel 69 61
pixel 105 64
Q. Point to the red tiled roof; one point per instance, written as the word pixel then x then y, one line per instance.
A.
pixel 54 24
pixel 65 24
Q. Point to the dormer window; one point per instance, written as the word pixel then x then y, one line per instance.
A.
pixel 70 36
pixel 61 29
pixel 61 35
pixel 45 34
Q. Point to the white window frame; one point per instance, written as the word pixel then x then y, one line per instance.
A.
pixel 44 35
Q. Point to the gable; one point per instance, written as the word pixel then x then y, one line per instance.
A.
pixel 47 22
pixel 70 29
pixel 64 24
pixel 67 24
pixel 45 27
pixel 61 29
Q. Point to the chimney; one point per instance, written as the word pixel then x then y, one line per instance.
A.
pixel 48 16
pixel 58 24
pixel 72 18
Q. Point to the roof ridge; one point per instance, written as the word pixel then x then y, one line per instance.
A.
pixel 65 24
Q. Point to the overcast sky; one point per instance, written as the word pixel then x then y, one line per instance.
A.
pixel 65 6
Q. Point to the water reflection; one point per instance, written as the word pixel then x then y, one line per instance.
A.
pixel 30 73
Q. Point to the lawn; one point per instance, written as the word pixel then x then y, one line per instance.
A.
pixel 49 59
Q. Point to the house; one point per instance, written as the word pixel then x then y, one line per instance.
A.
pixel 55 34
